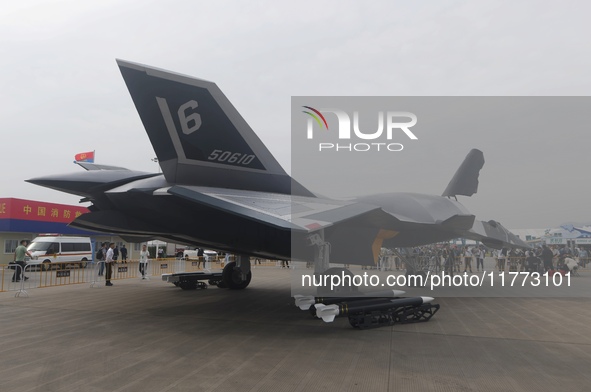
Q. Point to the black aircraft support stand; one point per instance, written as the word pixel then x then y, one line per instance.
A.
pixel 403 315
pixel 193 280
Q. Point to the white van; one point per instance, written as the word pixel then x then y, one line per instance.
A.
pixel 47 250
pixel 191 254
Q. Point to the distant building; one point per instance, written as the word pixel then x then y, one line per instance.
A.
pixel 563 235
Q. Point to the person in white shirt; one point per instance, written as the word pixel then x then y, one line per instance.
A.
pixel 144 254
pixel 109 264
pixel 467 259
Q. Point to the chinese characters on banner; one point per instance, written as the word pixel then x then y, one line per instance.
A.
pixel 11 208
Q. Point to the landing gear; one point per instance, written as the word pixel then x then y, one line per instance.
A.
pixel 235 277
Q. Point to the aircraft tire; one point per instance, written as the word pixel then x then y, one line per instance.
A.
pixel 231 278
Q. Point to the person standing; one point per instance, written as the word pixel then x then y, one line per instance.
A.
pixel 583 255
pixel 448 260
pixel 479 254
pixel 123 251
pixel 502 256
pixel 144 254
pixel 467 259
pixel 100 258
pixel 200 257
pixel 457 258
pixel 109 264
pixel 19 258
pixel 547 256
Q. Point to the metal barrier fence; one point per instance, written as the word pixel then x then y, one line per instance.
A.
pixel 61 274
pixel 9 283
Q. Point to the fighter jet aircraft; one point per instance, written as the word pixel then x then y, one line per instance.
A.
pixel 220 188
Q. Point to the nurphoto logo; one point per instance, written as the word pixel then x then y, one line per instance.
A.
pixel 389 126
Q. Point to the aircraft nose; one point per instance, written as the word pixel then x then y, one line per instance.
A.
pixel 85 183
pixel 69 183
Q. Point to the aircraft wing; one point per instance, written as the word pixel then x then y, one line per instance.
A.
pixel 355 229
pixel 297 213
pixel 493 235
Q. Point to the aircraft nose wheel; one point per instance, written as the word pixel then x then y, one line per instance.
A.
pixel 233 278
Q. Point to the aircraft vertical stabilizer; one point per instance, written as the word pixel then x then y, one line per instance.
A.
pixel 465 181
pixel 198 135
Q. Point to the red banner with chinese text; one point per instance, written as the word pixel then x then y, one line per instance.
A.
pixel 11 208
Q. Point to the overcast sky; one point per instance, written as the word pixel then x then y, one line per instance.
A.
pixel 61 92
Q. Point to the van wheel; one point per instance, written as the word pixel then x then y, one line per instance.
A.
pixel 83 263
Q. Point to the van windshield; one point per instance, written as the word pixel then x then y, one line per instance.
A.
pixel 34 246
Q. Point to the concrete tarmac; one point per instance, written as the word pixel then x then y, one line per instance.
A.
pixel 151 336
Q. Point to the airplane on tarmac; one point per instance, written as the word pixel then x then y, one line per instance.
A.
pixel 220 188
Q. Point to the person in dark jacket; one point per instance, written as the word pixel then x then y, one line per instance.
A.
pixel 200 257
pixel 547 257
pixel 123 251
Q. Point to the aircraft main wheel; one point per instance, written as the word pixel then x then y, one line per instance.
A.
pixel 232 278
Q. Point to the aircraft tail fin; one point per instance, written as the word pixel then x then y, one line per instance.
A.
pixel 198 135
pixel 465 180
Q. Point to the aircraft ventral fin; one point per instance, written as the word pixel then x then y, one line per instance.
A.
pixel 198 135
